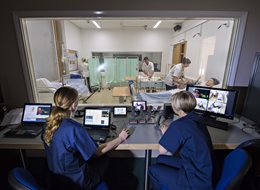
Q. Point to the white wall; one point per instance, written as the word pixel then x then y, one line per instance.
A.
pixel 130 40
pixel 72 36
pixel 215 63
pixel 42 47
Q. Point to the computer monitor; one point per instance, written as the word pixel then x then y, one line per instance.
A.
pixel 36 113
pixel 214 102
pixel 139 105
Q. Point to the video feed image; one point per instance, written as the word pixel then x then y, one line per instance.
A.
pixel 218 101
pixel 201 104
pixel 41 110
pixel 96 117
pixel 105 113
pixel 139 105
pixel 35 113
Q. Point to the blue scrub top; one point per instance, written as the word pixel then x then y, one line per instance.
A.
pixel 189 138
pixel 70 148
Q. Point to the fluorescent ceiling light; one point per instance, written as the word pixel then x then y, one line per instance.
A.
pixel 98 12
pixel 96 24
pixel 157 24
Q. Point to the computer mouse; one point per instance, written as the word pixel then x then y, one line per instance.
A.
pixel 113 127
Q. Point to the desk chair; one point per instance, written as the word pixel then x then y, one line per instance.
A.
pixel 252 178
pixel 21 179
pixel 75 76
pixel 236 165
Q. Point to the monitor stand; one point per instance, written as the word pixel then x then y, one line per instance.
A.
pixel 213 122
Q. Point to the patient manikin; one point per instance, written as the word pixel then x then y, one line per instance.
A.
pixel 165 96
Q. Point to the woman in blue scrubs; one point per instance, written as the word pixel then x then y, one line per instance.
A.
pixel 186 153
pixel 69 149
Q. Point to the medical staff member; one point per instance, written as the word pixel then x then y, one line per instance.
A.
pixel 70 150
pixel 148 67
pixel 189 164
pixel 175 78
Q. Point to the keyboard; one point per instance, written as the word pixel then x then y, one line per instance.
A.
pixel 211 122
pixel 98 135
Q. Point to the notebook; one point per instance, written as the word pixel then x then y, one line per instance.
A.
pixel 97 123
pixel 33 119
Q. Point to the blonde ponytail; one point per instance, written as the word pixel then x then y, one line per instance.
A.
pixel 64 98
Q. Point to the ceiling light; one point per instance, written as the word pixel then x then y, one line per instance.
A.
pixel 96 24
pixel 98 12
pixel 157 24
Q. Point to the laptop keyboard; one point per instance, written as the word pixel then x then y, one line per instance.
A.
pixel 98 135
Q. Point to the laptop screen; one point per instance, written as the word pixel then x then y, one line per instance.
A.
pixel 97 117
pixel 36 113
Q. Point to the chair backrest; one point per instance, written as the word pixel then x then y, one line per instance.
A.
pixel 235 167
pixel 21 179
pixel 75 76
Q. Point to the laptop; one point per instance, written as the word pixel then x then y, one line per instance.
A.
pixel 33 120
pixel 97 123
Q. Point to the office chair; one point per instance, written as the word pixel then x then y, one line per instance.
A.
pixel 75 76
pixel 236 165
pixel 21 179
pixel 252 178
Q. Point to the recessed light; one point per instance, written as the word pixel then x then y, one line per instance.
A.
pixel 98 12
pixel 157 24
pixel 96 24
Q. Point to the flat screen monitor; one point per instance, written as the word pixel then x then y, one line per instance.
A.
pixel 139 105
pixel 36 113
pixel 214 101
pixel 168 111
pixel 120 111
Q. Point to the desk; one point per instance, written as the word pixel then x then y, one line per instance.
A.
pixel 221 140
pixel 121 92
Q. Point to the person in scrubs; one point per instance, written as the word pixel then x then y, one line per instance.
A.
pixel 186 153
pixel 70 151
pixel 175 78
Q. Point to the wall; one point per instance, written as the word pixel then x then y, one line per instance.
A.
pixel 72 36
pixel 42 48
pixel 199 39
pixel 108 40
pixel 15 80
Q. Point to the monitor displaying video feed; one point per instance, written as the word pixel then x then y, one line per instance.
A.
pixel 139 105
pixel 214 101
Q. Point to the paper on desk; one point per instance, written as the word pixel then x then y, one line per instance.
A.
pixel 13 117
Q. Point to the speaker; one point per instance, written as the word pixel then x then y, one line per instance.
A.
pixel 177 28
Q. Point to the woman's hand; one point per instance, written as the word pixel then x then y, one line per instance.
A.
pixel 123 134
pixel 163 128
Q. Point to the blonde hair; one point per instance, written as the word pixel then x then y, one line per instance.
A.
pixel 64 98
pixel 184 101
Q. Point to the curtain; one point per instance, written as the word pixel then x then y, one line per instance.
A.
pixel 132 67
pixel 117 69
pixel 94 74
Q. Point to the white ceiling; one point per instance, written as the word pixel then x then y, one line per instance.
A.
pixel 116 24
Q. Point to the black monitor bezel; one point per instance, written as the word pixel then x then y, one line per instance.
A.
pixel 208 113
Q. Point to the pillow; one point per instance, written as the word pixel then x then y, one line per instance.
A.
pixel 44 85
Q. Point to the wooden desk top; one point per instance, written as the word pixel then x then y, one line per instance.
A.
pixel 121 91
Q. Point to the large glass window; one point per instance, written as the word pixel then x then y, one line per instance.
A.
pixel 96 58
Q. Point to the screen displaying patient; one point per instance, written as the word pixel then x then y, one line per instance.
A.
pixel 214 100
pixel 36 113
pixel 139 105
